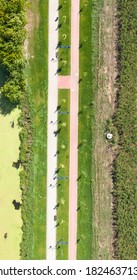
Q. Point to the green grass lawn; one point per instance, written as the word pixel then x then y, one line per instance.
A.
pixel 63 166
pixel 37 87
pixel 64 36
pixel 85 137
pixel 87 90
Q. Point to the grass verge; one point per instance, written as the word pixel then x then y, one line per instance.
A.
pixel 85 137
pixel 64 36
pixel 34 239
pixel 87 89
pixel 63 167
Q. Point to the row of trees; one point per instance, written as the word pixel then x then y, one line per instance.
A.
pixel 12 36
pixel 125 170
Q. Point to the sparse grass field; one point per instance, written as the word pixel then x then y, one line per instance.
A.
pixel 89 53
pixel 103 153
pixel 63 166
pixel 37 87
pixel 64 36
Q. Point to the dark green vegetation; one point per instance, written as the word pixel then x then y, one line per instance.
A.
pixel 63 170
pixel 64 26
pixel 125 170
pixel 89 26
pixel 33 177
pixel 12 35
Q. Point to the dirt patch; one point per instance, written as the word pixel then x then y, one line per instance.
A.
pixel 104 155
pixel 32 22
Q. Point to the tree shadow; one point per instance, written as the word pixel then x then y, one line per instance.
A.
pixel 57 132
pixel 59 44
pixel 6 235
pixel 81 10
pixel 56 206
pixel 16 204
pixel 81 45
pixel 78 240
pixel 58 107
pixel 80 145
pixel 57 225
pixel 3 74
pixel 5 105
pixel 59 7
pixel 80 80
pixel 80 112
pixel 16 164
pixel 59 26
pixel 57 171
pixel 58 70
pixel 79 177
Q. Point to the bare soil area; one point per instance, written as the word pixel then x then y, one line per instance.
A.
pixel 103 153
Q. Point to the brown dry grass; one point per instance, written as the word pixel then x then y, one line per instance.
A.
pixel 103 154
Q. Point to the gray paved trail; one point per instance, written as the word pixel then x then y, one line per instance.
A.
pixel 52 126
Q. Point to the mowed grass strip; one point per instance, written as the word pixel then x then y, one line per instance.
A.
pixel 89 52
pixel 63 171
pixel 85 135
pixel 64 25
pixel 37 86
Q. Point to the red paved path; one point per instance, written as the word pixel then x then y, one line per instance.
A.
pixel 64 82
